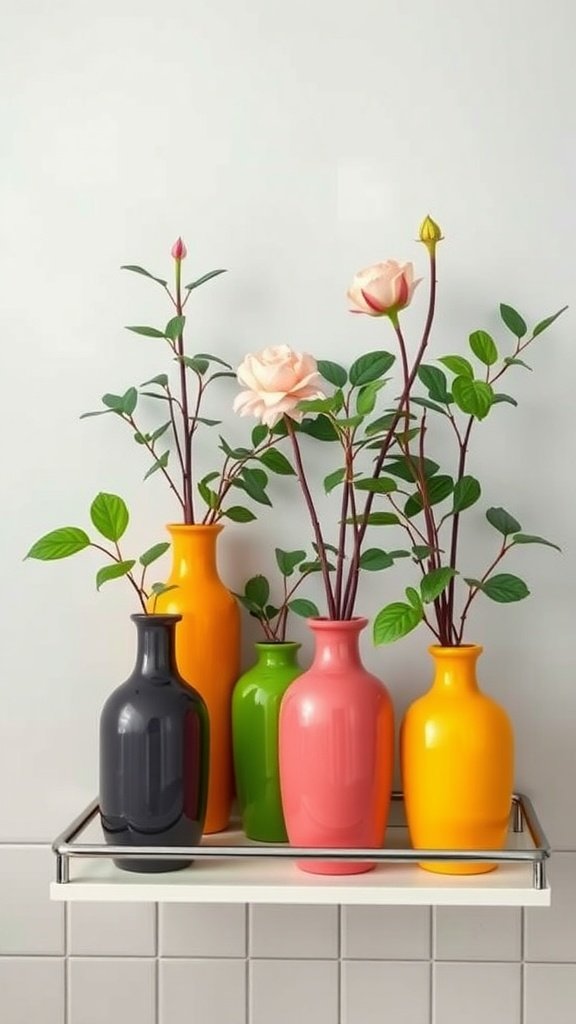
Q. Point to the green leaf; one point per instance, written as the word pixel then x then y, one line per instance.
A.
pixel 234 453
pixel 528 538
pixel 271 611
pixel 503 398
pixel 458 365
pixel 288 560
pixel 114 402
pixel 161 379
pixel 318 404
pixel 129 401
pixel 162 588
pixel 174 327
pixel 194 363
pixel 276 462
pixel 382 485
pixel 399 554
pixel 110 515
pixel 438 488
pixel 395 621
pixel 385 423
pixel 502 521
pixel 366 397
pixel 148 332
pixel 113 572
pixel 505 588
pixel 238 514
pixel 484 347
pixel 202 280
pixel 159 431
pixel 156 551
pixel 374 559
pixel 253 481
pixel 307 609
pixel 145 273
pixel 98 412
pixel 332 372
pixel 370 367
pixel 250 606
pixel 512 361
pixel 545 324
pixel 259 434
pixel 333 479
pixel 207 494
pixel 376 519
pixel 408 469
pixel 160 463
pixel 466 493
pixel 62 543
pixel 472 396
pixel 349 421
pixel 413 597
pixel 435 582
pixel 320 428
pixel 514 322
pixel 205 422
pixel 427 404
pixel 257 590
pixel 435 381
pixel 215 359
pixel 421 551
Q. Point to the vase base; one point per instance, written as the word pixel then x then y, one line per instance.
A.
pixel 152 867
pixel 332 867
pixel 457 868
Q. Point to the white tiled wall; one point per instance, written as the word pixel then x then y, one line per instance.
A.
pixel 292 143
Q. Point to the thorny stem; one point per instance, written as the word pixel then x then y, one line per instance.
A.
pixel 313 518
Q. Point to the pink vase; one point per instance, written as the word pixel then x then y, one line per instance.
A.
pixel 336 745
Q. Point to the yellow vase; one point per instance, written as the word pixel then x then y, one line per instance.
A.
pixel 457 755
pixel 207 649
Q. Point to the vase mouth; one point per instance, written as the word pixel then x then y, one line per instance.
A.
pixel 274 645
pixel 194 528
pixel 321 623
pixel 462 650
pixel 155 619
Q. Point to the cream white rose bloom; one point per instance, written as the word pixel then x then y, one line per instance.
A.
pixel 276 380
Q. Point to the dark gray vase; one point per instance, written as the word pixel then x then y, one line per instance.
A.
pixel 154 753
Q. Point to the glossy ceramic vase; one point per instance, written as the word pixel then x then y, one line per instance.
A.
pixel 207 649
pixel 154 740
pixel 336 745
pixel 255 713
pixel 457 754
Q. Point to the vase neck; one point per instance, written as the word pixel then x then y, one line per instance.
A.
pixel 155 655
pixel 337 643
pixel 194 551
pixel 277 655
pixel 455 669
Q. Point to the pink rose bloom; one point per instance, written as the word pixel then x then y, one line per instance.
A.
pixel 382 289
pixel 276 379
pixel 179 250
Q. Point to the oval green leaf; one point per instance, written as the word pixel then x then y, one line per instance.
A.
pixel 288 560
pixel 61 543
pixel 148 332
pixel 370 367
pixel 257 590
pixel 514 322
pixel 239 514
pixel 395 621
pixel 110 516
pixel 301 606
pixel 459 366
pixel 473 397
pixel 467 490
pixel 505 588
pixel 484 347
pixel 113 572
pixel 156 551
pixel 374 559
pixel 502 521
pixel 528 538
pixel 332 372
pixel 435 582
pixel 276 462
pixel 435 381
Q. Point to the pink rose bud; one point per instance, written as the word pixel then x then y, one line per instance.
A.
pixel 382 290
pixel 276 380
pixel 179 250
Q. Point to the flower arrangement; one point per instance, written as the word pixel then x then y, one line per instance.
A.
pixel 283 388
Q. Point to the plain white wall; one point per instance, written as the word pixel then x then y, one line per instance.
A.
pixel 293 144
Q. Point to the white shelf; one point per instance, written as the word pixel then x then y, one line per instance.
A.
pixel 279 880
pixel 274 881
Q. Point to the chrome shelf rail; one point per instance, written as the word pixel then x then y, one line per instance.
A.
pixel 523 819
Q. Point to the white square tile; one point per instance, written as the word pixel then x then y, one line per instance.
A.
pixel 477 993
pixel 386 933
pixel 550 993
pixel 106 991
pixel 202 929
pixel 374 992
pixel 551 931
pixel 293 931
pixel 202 992
pixel 112 929
pixel 29 922
pixel 31 991
pixel 293 992
pixel 478 933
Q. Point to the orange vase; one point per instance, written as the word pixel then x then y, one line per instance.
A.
pixel 207 649
pixel 457 754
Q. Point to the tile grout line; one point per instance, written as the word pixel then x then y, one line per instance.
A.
pixel 522 967
pixel 67 912
pixel 432 966
pixel 247 938
pixel 157 963
pixel 339 963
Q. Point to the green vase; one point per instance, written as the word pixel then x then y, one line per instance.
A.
pixel 255 709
